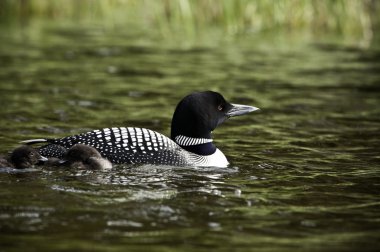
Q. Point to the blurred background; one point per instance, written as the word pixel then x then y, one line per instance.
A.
pixel 102 51
pixel 304 171
pixel 349 19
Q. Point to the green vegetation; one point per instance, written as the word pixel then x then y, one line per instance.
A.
pixel 355 18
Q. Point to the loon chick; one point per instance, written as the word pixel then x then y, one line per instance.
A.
pixel 85 157
pixel 195 117
pixel 22 157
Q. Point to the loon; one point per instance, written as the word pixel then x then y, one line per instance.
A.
pixel 22 157
pixel 190 144
pixel 85 157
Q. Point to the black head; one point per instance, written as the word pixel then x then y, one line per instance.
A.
pixel 25 157
pixel 198 114
pixel 81 153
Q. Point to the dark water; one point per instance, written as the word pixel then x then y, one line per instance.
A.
pixel 305 170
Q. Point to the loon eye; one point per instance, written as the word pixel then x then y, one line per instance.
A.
pixel 220 107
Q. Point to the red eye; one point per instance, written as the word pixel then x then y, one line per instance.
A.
pixel 220 107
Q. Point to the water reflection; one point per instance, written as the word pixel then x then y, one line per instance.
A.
pixel 139 183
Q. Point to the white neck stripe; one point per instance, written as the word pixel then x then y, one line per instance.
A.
pixel 188 141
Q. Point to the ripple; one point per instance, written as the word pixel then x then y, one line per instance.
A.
pixel 124 223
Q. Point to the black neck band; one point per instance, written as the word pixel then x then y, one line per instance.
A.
pixel 201 149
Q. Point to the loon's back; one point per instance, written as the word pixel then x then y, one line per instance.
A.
pixel 124 146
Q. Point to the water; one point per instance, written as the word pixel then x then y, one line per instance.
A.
pixel 304 171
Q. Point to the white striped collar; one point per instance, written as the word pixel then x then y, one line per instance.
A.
pixel 189 141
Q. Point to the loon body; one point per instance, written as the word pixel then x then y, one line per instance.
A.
pixel 135 146
pixel 195 117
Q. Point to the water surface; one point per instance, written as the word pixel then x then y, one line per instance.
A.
pixel 304 171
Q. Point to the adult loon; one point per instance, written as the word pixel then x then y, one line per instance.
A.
pixel 85 157
pixel 195 117
pixel 21 158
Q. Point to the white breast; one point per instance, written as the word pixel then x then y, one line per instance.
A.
pixel 217 159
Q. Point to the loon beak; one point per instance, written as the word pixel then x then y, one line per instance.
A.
pixel 43 159
pixel 238 109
